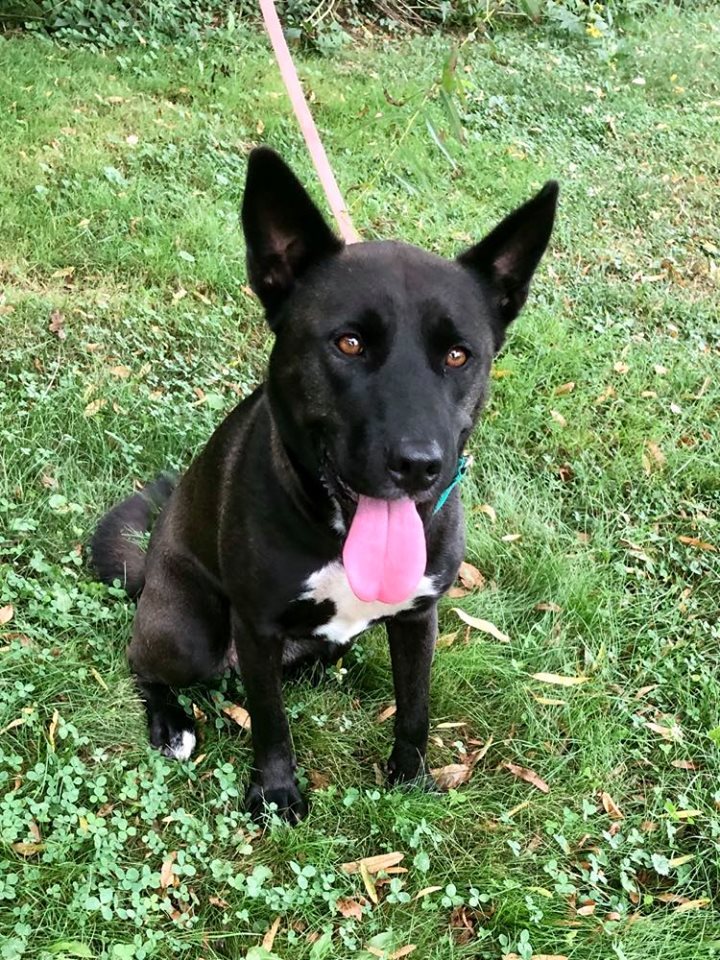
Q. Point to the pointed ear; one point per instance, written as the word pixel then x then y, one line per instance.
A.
pixel 506 259
pixel 285 233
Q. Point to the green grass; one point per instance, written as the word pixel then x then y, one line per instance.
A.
pixel 134 246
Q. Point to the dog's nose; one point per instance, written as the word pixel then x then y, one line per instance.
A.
pixel 415 465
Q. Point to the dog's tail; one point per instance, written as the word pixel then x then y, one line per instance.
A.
pixel 117 550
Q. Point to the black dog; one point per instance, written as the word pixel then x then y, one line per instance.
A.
pixel 311 511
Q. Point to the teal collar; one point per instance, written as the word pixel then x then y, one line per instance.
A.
pixel 462 469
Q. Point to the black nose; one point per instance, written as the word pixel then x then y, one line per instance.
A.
pixel 415 465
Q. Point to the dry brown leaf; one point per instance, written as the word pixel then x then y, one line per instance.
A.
pixel 529 776
pixel 685 765
pixel 239 715
pixel 349 908
pixel 692 905
pixel 95 406
pixel 426 891
pixel 610 807
pixel 621 367
pixel 318 780
pixel 488 511
pixel 386 713
pixel 564 388
pixel 56 325
pixel 470 577
pixel 660 370
pixel 698 544
pixel 447 639
pixel 453 775
pixel 52 729
pixel 6 614
pixel 451 724
pixel 667 733
pixel 558 418
pixel 457 593
pixel 28 849
pixel 403 952
pixel 368 883
pixel 269 938
pixel 587 909
pixel 218 902
pixel 676 862
pixel 374 864
pixel 558 680
pixel 654 459
pixel 166 871
pixel 511 537
pixel 122 373
pixel 548 607
pixel 484 625
pixel 13 723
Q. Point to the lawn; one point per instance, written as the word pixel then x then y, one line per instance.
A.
pixel 593 508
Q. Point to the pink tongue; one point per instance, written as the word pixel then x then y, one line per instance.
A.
pixel 384 553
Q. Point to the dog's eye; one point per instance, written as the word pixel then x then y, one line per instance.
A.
pixel 350 345
pixel 457 357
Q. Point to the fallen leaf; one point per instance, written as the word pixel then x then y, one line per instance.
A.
pixel 564 388
pixel 558 418
pixel 28 849
pixel 511 537
pixel 403 952
pixel 13 723
pixel 52 729
pixel 122 373
pixel 6 614
pixel 368 883
pixel 558 680
pixel 218 902
pixel 610 807
pixel 451 725
pixel 269 938
pixel 95 406
pixel 667 733
pixel 685 765
pixel 687 814
pixel 457 593
pixel 550 701
pixel 607 394
pixel 239 715
pixel 484 625
pixel 35 831
pixel 488 511
pixel 452 776
pixel 692 905
pixel 529 776
pixel 681 861
pixel 199 714
pixel 621 367
pixel 462 925
pixel 374 864
pixel 470 576
pixel 56 325
pixel 386 713
pixel 586 910
pixel 166 871
pixel 318 780
pixel 426 891
pixel 654 458
pixel 447 639
pixel 660 370
pixel 98 678
pixel 548 607
pixel 349 908
pixel 699 544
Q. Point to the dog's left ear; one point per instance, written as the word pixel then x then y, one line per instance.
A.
pixel 507 258
pixel 285 233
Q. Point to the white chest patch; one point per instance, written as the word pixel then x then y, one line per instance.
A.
pixel 352 616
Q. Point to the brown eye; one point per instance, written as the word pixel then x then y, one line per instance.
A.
pixel 457 357
pixel 350 345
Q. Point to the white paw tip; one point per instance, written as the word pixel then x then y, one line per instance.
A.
pixel 181 745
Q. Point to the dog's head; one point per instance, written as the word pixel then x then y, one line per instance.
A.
pixel 382 353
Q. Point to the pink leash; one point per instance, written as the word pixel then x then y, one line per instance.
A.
pixel 307 124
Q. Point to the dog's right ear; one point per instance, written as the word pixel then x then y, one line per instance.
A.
pixel 285 233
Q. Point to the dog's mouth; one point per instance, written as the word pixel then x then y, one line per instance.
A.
pixel 384 551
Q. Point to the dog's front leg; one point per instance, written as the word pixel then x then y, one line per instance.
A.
pixel 412 642
pixel 260 660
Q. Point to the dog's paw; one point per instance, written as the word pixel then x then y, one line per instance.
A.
pixel 289 803
pixel 173 734
pixel 408 769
